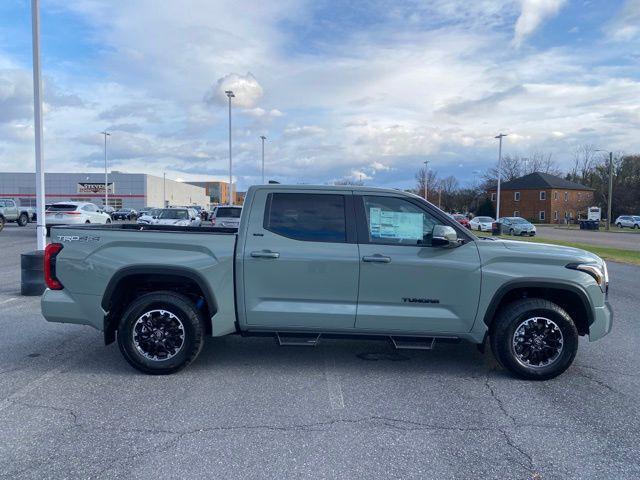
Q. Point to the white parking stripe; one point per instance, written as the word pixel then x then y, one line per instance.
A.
pixel 8 300
pixel 333 382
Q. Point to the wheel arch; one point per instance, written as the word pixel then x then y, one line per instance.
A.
pixel 128 282
pixel 569 296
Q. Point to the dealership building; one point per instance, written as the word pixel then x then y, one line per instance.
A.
pixel 129 190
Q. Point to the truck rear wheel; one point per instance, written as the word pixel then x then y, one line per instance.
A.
pixel 161 333
pixel 534 339
pixel 23 219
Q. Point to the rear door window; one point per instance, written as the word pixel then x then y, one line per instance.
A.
pixel 306 216
pixel 225 212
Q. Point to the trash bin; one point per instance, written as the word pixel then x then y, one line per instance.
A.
pixel 32 273
pixel 496 228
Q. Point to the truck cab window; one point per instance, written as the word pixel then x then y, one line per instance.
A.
pixel 392 220
pixel 307 216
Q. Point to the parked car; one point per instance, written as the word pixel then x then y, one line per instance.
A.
pixel 182 217
pixel 149 216
pixel 74 213
pixel 461 219
pixel 124 214
pixel 226 217
pixel 309 261
pixel 481 224
pixel 11 212
pixel 631 221
pixel 517 226
pixel 109 210
pixel 202 213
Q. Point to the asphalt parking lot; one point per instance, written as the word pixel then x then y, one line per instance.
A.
pixel 72 408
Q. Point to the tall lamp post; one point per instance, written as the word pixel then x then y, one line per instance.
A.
pixel 41 229
pixel 106 175
pixel 426 179
pixel 230 95
pixel 610 193
pixel 263 138
pixel 499 136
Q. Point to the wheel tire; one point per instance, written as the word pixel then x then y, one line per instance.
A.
pixel 2 222
pixel 636 226
pixel 619 225
pixel 511 232
pixel 23 219
pixel 511 317
pixel 108 221
pixel 178 305
pixel 87 222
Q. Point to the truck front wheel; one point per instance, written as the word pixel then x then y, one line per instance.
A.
pixel 23 219
pixel 161 333
pixel 534 339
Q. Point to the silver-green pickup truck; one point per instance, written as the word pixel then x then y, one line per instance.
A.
pixel 11 212
pixel 310 262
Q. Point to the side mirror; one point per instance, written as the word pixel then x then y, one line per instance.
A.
pixel 444 236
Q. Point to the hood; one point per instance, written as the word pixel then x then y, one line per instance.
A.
pixel 548 250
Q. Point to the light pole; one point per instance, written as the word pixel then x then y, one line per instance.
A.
pixel 230 95
pixel 106 183
pixel 41 228
pixel 499 136
pixel 426 179
pixel 263 138
pixel 610 193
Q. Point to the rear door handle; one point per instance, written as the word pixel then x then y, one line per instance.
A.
pixel 377 258
pixel 265 254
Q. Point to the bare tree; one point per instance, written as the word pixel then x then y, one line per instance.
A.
pixel 431 179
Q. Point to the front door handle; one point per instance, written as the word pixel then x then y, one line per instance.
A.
pixel 265 254
pixel 377 258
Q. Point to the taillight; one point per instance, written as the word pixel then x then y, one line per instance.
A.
pixel 50 253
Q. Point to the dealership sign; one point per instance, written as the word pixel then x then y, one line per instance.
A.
pixel 85 187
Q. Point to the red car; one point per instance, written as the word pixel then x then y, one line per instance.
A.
pixel 461 219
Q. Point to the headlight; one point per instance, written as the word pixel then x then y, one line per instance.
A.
pixel 598 271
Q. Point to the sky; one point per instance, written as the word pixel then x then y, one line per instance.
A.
pixel 342 90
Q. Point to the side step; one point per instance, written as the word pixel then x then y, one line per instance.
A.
pixel 298 339
pixel 413 343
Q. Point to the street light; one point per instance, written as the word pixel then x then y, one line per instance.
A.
pixel 610 193
pixel 263 138
pixel 41 228
pixel 106 184
pixel 230 95
pixel 499 136
pixel 426 179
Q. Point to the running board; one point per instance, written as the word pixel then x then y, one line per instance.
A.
pixel 413 343
pixel 297 339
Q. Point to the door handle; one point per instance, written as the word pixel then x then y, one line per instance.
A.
pixel 265 254
pixel 377 258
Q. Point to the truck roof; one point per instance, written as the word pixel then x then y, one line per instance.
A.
pixel 346 188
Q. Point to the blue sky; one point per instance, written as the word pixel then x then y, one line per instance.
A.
pixel 342 90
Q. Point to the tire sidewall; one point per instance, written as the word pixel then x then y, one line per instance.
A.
pixel 23 219
pixel 506 352
pixel 179 306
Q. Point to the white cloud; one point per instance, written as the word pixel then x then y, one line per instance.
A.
pixel 246 89
pixel 626 24
pixel 533 13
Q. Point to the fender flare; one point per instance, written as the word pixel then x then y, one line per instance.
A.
pixel 539 283
pixel 160 270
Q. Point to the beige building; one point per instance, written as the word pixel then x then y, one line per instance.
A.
pixel 218 192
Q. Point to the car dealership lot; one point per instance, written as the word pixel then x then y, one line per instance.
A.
pixel 71 407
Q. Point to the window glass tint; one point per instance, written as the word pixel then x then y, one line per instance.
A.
pixel 226 212
pixel 307 216
pixel 62 207
pixel 395 220
pixel 173 214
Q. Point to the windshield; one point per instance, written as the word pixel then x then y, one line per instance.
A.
pixel 173 214
pixel 62 207
pixel 484 219
pixel 518 220
pixel 227 212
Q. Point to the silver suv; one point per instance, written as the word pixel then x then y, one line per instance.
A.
pixel 631 221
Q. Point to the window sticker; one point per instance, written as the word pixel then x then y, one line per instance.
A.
pixel 389 224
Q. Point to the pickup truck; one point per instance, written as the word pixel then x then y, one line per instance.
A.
pixel 309 262
pixel 10 212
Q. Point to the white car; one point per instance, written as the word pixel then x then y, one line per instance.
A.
pixel 226 217
pixel 149 217
pixel 74 213
pixel 631 221
pixel 481 224
pixel 182 217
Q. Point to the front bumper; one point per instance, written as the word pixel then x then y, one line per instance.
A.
pixel 602 322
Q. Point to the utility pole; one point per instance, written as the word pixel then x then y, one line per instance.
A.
pixel 610 196
pixel 230 95
pixel 426 179
pixel 499 136
pixel 41 228
pixel 106 175
pixel 440 198
pixel 263 138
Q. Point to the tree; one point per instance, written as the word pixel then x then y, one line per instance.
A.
pixel 431 179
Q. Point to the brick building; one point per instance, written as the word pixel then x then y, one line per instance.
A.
pixel 543 198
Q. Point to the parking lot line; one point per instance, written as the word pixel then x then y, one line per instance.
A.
pixel 8 300
pixel 333 382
